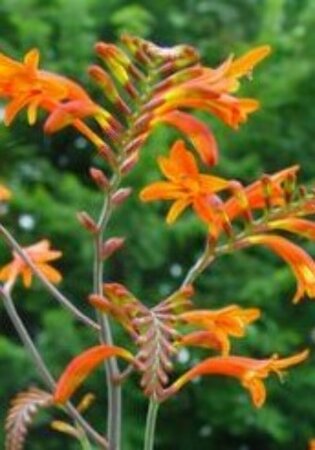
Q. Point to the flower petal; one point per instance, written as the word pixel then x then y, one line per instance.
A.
pixel 245 64
pixel 81 367
pixel 176 209
pixel 198 133
pixel 302 265
pixel 161 190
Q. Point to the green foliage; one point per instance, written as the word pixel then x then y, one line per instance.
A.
pixel 50 183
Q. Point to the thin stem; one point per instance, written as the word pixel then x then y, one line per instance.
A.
pixel 46 283
pixel 85 443
pixel 200 265
pixel 111 367
pixel 42 368
pixel 26 340
pixel 150 424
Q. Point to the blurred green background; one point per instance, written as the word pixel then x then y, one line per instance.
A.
pixel 49 178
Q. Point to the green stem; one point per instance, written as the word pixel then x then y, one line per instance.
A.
pixel 150 424
pixel 85 443
pixel 111 366
pixel 42 368
pixel 204 261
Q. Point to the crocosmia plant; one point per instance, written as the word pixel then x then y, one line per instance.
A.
pixel 145 85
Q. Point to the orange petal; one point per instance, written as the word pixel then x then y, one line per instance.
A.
pixel 198 133
pixel 50 273
pixel 81 367
pixel 161 190
pixel 31 60
pixel 176 210
pixel 207 339
pixel 204 209
pixel 302 265
pixel 32 112
pixel 257 390
pixel 180 163
pixel 212 184
pixel 302 227
pixel 27 276
pixel 14 107
pixel 245 64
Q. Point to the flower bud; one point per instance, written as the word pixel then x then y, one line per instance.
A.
pixel 121 195
pixel 99 178
pixel 108 155
pixel 87 222
pixel 129 163
pixel 111 246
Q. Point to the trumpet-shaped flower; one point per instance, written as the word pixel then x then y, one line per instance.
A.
pixel 81 367
pixel 211 89
pixel 303 227
pixel 26 86
pixel 185 185
pixel 41 255
pixel 229 321
pixel 250 372
pixel 302 265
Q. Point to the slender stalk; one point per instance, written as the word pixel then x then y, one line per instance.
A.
pixel 46 283
pixel 200 265
pixel 42 368
pixel 85 443
pixel 111 366
pixel 26 340
pixel 150 424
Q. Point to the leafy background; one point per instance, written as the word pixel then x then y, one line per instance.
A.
pixel 49 177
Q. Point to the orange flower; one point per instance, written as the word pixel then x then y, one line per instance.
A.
pixel 186 185
pixel 249 371
pixel 5 193
pixel 27 86
pixel 302 265
pixel 210 89
pixel 296 225
pixel 81 367
pixel 254 196
pixel 198 133
pixel 222 323
pixel 40 254
pixel 312 444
